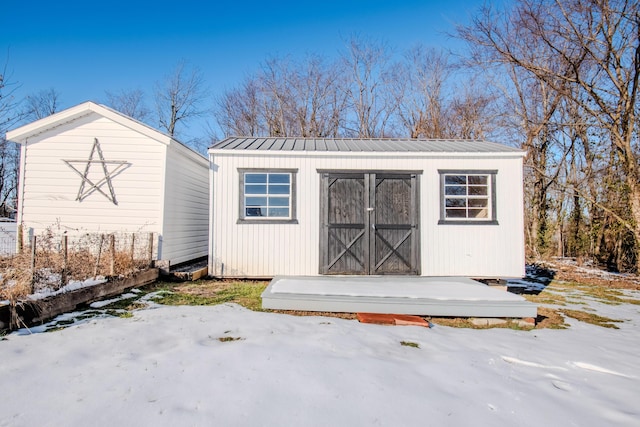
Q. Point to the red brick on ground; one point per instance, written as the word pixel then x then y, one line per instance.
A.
pixel 391 319
pixel 378 319
pixel 403 319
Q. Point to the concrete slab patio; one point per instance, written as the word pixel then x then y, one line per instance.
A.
pixel 425 296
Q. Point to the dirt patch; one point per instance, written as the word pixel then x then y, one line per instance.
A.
pixel 549 318
pixel 591 276
pixel 203 289
pixel 349 316
pixel 454 322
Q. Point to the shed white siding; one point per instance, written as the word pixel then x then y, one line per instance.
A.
pixel 163 187
pixel 48 194
pixel 266 250
pixel 186 206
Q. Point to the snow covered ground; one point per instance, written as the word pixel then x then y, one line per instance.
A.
pixel 228 366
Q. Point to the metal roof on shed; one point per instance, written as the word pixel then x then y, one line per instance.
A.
pixel 363 145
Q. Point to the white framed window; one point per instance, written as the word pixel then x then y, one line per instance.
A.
pixel 467 197
pixel 267 195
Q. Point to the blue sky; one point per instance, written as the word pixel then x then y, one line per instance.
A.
pixel 82 49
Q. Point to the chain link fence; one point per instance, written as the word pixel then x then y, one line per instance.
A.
pixel 8 231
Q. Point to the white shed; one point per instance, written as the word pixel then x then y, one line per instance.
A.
pixel 92 169
pixel 309 207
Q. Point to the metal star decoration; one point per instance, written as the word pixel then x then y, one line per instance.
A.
pixel 88 186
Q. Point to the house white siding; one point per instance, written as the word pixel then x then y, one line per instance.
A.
pixel 266 250
pixel 162 187
pixel 186 205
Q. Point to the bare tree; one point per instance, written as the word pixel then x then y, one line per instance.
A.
pixel 318 98
pixel 470 112
pixel 419 85
pixel 9 111
pixel 435 100
pixel 286 98
pixel 303 99
pixel 179 97
pixel 239 111
pixel 129 102
pixel 529 105
pixel 41 104
pixel 589 54
pixel 277 98
pixel 10 114
pixel 372 103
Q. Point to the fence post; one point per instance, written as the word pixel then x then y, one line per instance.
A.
pixel 33 264
pixel 95 270
pixel 20 238
pixel 150 249
pixel 133 248
pixel 65 260
pixel 112 268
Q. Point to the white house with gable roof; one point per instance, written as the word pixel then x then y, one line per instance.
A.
pixel 92 169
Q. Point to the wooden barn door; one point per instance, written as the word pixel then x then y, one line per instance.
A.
pixel 369 223
pixel 344 237
pixel 394 224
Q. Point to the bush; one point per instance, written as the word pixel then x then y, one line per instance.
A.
pixel 88 255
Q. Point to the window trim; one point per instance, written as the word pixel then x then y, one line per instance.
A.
pixel 242 219
pixel 493 220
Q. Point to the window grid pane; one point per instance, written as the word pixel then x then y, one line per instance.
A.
pixel 258 187
pixel 467 196
pixel 255 178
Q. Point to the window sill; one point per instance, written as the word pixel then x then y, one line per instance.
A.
pixel 266 221
pixel 466 222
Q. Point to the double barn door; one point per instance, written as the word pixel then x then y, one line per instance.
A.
pixel 369 223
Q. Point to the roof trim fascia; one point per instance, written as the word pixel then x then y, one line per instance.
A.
pixel 24 133
pixel 409 154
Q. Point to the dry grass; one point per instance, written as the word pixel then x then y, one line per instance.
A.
pixel 548 296
pixel 549 318
pixel 558 294
pixel 591 318
pixel 552 302
pixel 454 322
pixel 590 288
pixel 88 256
pixel 465 322
pixel 230 339
pixel 562 293
pixel 212 292
pixel 348 316
pixel 593 277
pixel 409 344
pixel 15 283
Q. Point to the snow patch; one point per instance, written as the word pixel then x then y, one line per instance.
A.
pixel 176 366
pixel 436 288
pixel 595 368
pixel 71 286
pixel 100 304
pixel 530 364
